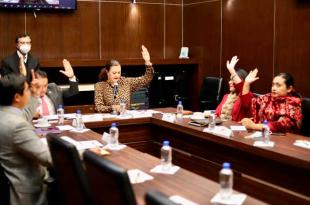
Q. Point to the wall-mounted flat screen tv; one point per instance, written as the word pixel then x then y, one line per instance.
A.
pixel 38 4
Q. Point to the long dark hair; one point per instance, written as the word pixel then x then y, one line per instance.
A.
pixel 289 81
pixel 103 75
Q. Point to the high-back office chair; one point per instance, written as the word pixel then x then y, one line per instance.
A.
pixel 157 198
pixel 210 93
pixel 109 183
pixel 70 174
pixel 4 188
pixel 305 107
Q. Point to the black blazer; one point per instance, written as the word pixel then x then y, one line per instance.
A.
pixel 11 65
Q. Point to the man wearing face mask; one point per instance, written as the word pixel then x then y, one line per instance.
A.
pixel 20 62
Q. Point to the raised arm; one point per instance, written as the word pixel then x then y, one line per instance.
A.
pixel 230 65
pixel 251 78
pixel 74 86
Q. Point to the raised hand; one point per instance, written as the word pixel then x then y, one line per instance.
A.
pixel 145 55
pixel 35 86
pixel 251 77
pixel 68 69
pixel 231 65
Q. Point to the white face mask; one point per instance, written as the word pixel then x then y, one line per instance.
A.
pixel 25 48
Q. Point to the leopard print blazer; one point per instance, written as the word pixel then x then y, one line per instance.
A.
pixel 104 98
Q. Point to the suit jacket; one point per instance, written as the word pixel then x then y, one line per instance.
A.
pixel 56 94
pixel 21 155
pixel 11 65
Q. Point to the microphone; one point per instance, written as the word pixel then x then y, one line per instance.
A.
pixel 115 89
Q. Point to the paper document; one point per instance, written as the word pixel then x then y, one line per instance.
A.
pixel 180 200
pixel 235 199
pixel 138 176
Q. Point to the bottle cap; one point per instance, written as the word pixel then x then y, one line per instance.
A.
pixel 180 102
pixel 166 143
pixel 226 165
pixel 78 112
pixel 265 122
pixel 113 124
pixel 60 106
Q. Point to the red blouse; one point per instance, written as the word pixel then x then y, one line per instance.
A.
pixel 282 113
pixel 238 112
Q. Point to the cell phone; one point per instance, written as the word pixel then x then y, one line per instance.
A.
pixel 195 124
pixel 278 133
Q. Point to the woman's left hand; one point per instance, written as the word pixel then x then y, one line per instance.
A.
pixel 146 55
pixel 248 123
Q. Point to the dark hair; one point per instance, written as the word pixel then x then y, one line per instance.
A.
pixel 41 73
pixel 103 75
pixel 10 85
pixel 241 73
pixel 289 81
pixel 21 36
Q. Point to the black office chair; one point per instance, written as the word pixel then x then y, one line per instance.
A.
pixel 157 198
pixel 109 183
pixel 70 174
pixel 305 107
pixel 210 93
pixel 4 188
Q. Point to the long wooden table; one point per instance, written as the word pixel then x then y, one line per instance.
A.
pixel 184 183
pixel 277 175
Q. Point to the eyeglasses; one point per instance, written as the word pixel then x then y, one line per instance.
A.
pixel 29 42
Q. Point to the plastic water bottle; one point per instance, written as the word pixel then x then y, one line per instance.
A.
pixel 122 109
pixel 212 118
pixel 265 132
pixel 180 110
pixel 61 115
pixel 113 142
pixel 166 156
pixel 79 121
pixel 226 181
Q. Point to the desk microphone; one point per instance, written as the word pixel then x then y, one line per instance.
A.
pixel 115 89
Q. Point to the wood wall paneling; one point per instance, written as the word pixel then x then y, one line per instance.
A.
pixel 173 30
pixel 11 24
pixel 248 33
pixel 128 27
pixel 202 34
pixel 71 35
pixel 292 41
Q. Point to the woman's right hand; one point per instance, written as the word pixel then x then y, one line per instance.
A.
pixel 116 108
pixel 251 77
pixel 231 65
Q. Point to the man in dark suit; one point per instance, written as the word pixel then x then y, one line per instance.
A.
pixel 20 62
pixel 22 153
pixel 51 95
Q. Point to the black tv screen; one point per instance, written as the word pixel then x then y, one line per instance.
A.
pixel 38 4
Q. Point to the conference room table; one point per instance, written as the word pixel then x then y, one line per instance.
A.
pixel 278 175
pixel 184 183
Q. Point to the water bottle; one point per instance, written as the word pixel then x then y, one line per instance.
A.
pixel 226 181
pixel 166 156
pixel 61 113
pixel 212 118
pixel 179 110
pixel 265 132
pixel 79 121
pixel 122 109
pixel 113 142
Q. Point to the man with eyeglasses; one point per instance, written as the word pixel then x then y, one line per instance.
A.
pixel 21 61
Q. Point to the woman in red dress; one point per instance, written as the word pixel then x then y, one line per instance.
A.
pixel 281 108
pixel 230 107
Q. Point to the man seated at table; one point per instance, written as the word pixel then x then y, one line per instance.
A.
pixel 51 95
pixel 21 151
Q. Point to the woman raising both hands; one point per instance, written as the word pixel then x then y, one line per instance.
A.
pixel 281 108
pixel 113 88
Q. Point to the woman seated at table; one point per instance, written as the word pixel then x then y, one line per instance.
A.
pixel 114 88
pixel 281 108
pixel 230 107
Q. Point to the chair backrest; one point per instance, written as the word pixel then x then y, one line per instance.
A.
pixel 70 174
pixel 157 198
pixel 210 93
pixel 109 183
pixel 305 107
